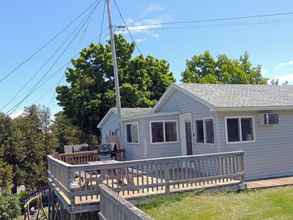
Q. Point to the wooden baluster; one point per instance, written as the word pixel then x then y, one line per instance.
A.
pixel 148 176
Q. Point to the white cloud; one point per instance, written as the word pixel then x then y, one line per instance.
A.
pixel 282 65
pixel 153 8
pixel 283 78
pixel 16 114
pixel 143 25
pixel 138 40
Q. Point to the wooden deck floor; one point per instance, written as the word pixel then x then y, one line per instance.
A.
pixel 268 183
pixel 132 194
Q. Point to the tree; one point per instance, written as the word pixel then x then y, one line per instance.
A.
pixel 64 132
pixel 5 177
pixel 204 68
pixel 90 90
pixel 9 207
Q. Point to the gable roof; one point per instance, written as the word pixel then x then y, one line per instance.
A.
pixel 126 113
pixel 133 112
pixel 239 96
pixel 221 97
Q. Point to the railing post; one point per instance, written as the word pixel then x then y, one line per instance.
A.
pixel 242 167
pixel 167 179
pixel 70 187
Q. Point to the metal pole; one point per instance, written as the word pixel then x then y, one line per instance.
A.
pixel 115 67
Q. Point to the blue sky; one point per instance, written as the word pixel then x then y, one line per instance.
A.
pixel 26 25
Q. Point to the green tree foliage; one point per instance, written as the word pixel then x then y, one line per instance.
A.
pixel 36 142
pixel 5 177
pixel 9 207
pixel 204 68
pixel 90 90
pixel 64 132
pixel 24 144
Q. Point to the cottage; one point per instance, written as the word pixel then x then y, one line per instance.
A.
pixel 205 118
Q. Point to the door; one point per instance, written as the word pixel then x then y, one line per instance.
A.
pixel 186 133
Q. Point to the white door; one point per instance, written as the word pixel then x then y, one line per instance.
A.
pixel 186 133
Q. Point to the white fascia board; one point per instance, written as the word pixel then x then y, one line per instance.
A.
pixel 253 108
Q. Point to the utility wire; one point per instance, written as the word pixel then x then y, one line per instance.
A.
pixel 153 25
pixel 102 23
pixel 38 84
pixel 210 25
pixel 46 44
pixel 28 82
pixel 126 26
pixel 60 69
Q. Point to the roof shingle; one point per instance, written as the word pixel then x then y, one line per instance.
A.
pixel 133 112
pixel 235 95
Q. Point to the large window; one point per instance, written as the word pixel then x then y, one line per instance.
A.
pixel 205 131
pixel 132 133
pixel 163 131
pixel 239 129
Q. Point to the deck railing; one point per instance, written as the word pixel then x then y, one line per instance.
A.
pixel 80 183
pixel 82 157
pixel 113 207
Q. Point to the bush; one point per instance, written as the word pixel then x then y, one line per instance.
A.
pixel 9 207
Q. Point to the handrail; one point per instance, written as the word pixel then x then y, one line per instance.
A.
pixel 150 160
pixel 77 158
pixel 140 177
pixel 111 201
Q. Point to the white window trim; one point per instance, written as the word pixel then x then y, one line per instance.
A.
pixel 240 129
pixel 164 133
pixel 204 130
pixel 132 123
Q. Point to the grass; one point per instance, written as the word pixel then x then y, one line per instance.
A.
pixel 269 204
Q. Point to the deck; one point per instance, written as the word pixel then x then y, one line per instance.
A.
pixel 75 179
pixel 269 183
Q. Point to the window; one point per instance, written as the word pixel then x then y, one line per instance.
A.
pixel 233 130
pixel 164 131
pixel 247 129
pixel 199 131
pixel 205 131
pixel 239 129
pixel 209 131
pixel 157 132
pixel 171 131
pixel 132 133
pixel 271 118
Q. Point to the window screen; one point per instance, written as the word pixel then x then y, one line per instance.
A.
pixel 233 130
pixel 171 131
pixel 247 129
pixel 209 131
pixel 132 133
pixel 199 131
pixel 157 132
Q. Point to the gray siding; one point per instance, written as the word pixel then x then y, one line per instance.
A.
pixel 135 151
pixel 272 153
pixel 111 125
pixel 180 102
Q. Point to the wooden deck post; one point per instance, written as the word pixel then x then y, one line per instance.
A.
pixel 167 179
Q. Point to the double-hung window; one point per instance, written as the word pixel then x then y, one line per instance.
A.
pixel 132 133
pixel 163 131
pixel 240 129
pixel 205 131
